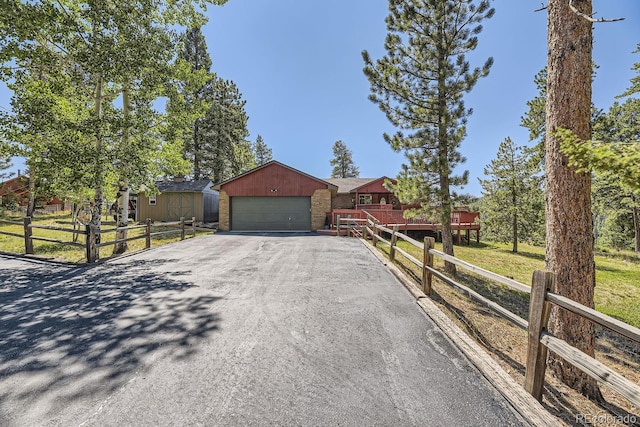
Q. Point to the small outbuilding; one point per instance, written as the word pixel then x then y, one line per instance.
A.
pixel 274 197
pixel 180 198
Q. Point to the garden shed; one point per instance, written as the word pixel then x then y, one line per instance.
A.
pixel 274 197
pixel 180 198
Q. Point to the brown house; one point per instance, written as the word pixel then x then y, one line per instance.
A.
pixel 17 190
pixel 274 197
pixel 180 198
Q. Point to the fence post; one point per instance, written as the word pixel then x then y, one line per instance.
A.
pixel 148 233
pixel 374 234
pixel 338 225
pixel 28 243
pixel 427 261
pixel 539 310
pixel 394 241
pixel 193 225
pixel 365 230
pixel 181 228
pixel 92 249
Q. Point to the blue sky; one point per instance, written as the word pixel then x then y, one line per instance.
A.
pixel 298 65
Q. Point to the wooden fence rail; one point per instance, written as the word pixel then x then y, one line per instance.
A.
pixel 542 296
pixel 93 241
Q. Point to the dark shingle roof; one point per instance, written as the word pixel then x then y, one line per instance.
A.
pixel 172 186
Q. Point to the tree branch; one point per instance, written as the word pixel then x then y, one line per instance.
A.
pixel 589 18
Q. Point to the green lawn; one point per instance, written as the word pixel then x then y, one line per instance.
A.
pixel 617 273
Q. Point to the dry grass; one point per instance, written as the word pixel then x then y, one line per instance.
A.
pixel 67 253
pixel 507 344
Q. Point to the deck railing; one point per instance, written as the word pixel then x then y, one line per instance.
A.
pixel 542 296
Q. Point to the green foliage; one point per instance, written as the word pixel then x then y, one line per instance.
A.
pixel 512 206
pixel 342 162
pixel 224 129
pixel 621 159
pixel 69 63
pixel 244 158
pixel 5 163
pixel 534 119
pixel 207 114
pixel 419 84
pixel 635 81
pixel 262 152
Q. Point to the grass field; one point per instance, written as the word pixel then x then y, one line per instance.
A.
pixel 617 273
pixel 61 252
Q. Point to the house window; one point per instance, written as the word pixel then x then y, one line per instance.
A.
pixel 152 200
pixel 365 199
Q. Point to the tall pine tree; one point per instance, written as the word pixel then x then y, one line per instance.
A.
pixel 569 221
pixel 513 202
pixel 262 152
pixel 342 162
pixel 197 97
pixel 224 129
pixel 419 85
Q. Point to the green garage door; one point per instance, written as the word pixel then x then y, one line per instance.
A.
pixel 270 213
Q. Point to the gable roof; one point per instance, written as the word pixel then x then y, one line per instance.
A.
pixel 172 186
pixel 347 185
pixel 18 185
pixel 274 162
pixel 351 185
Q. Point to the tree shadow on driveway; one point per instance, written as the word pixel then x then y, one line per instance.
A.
pixel 69 333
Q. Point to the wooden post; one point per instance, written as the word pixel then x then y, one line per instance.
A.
pixel 394 241
pixel 28 243
pixel 338 225
pixel 92 248
pixel 539 310
pixel 181 228
pixel 374 237
pixel 427 261
pixel 365 231
pixel 193 225
pixel 148 233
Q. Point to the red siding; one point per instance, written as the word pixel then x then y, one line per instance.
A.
pixel 273 180
pixel 374 187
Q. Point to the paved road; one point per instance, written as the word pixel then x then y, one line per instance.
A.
pixel 230 330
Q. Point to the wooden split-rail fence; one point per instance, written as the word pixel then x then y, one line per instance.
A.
pixel 542 296
pixel 93 236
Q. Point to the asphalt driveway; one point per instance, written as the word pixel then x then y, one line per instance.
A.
pixel 283 329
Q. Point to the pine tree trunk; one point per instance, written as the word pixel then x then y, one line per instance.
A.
pixel 514 231
pixel 445 219
pixel 568 208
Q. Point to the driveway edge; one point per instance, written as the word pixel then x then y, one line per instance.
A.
pixel 521 401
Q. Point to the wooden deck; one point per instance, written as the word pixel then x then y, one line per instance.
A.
pixel 462 222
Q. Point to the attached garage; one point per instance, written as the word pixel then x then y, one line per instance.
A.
pixel 274 197
pixel 271 213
